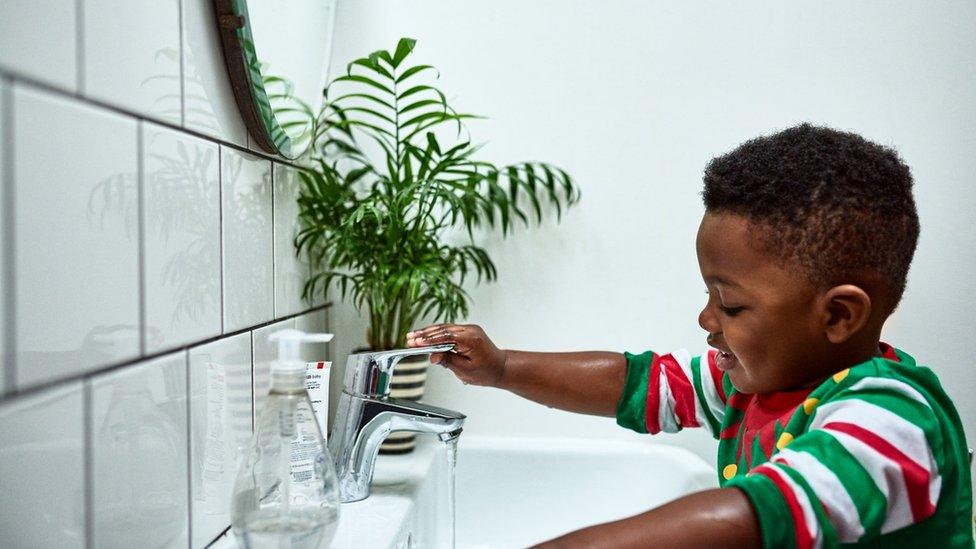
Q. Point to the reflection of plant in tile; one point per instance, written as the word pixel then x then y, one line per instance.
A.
pixel 183 194
pixel 249 204
pixel 166 105
pixel 115 198
pixel 197 107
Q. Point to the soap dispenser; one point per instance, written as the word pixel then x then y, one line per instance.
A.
pixel 286 493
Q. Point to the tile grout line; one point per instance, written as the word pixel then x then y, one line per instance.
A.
pixel 141 194
pixel 61 92
pixel 51 385
pixel 9 297
pixel 180 25
pixel 189 449
pixel 80 46
pixel 220 221
pixel 254 381
pixel 89 486
pixel 274 246
pixel 220 535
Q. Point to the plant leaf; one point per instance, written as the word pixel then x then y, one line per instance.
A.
pixel 403 49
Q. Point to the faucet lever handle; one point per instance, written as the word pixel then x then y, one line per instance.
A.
pixel 395 355
pixel 369 374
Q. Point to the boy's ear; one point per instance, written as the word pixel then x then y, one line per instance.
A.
pixel 846 309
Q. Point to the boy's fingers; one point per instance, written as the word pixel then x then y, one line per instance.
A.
pixel 417 338
pixel 427 330
pixel 448 359
pixel 443 335
pixel 453 362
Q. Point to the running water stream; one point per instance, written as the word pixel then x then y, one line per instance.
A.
pixel 450 502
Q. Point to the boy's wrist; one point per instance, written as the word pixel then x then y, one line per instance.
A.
pixel 503 374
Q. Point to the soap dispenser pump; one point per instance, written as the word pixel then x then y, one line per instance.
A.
pixel 286 493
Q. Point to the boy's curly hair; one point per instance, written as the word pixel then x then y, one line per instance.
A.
pixel 837 205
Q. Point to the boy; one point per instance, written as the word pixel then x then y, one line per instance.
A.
pixel 827 436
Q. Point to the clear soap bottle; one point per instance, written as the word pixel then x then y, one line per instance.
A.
pixel 286 493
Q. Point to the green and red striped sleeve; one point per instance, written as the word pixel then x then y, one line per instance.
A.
pixel 671 392
pixel 867 464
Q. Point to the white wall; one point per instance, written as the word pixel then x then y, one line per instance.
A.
pixel 633 98
pixel 146 255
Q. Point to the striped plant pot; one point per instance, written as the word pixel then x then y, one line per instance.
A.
pixel 409 380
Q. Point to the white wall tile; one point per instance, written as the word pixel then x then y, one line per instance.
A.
pixel 264 352
pixel 42 470
pixel 38 38
pixel 76 236
pixel 208 99
pixel 139 451
pixel 220 428
pixel 182 231
pixel 290 270
pixel 132 55
pixel 248 248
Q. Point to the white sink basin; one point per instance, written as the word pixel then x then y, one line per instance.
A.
pixel 514 492
pixel 517 492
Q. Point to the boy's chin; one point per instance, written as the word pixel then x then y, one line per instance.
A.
pixel 743 382
pixel 749 384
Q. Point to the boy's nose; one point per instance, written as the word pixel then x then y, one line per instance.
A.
pixel 708 322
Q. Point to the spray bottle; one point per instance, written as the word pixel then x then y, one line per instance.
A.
pixel 286 492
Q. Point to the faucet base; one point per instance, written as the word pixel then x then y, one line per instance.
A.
pixel 362 423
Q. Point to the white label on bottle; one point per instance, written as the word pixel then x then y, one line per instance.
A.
pixel 304 451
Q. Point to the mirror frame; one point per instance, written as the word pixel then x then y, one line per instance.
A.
pixel 246 81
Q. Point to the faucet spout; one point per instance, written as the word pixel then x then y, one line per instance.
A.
pixel 357 444
pixel 448 437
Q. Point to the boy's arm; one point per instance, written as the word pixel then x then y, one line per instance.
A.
pixel 722 517
pixel 588 382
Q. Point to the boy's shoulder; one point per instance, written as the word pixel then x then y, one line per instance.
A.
pixel 894 389
pixel 894 372
pixel 887 379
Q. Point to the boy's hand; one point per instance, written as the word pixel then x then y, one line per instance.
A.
pixel 474 360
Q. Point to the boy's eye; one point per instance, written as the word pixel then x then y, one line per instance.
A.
pixel 730 311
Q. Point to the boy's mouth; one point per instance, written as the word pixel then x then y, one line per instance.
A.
pixel 725 360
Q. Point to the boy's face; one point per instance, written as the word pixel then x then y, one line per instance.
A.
pixel 761 315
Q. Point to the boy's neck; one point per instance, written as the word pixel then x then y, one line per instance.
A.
pixel 837 357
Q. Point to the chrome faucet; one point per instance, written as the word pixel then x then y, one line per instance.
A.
pixel 366 415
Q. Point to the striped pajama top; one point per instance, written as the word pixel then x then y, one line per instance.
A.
pixel 874 456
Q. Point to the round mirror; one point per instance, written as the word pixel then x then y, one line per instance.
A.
pixel 277 54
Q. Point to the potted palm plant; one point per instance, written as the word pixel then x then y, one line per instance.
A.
pixel 394 198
